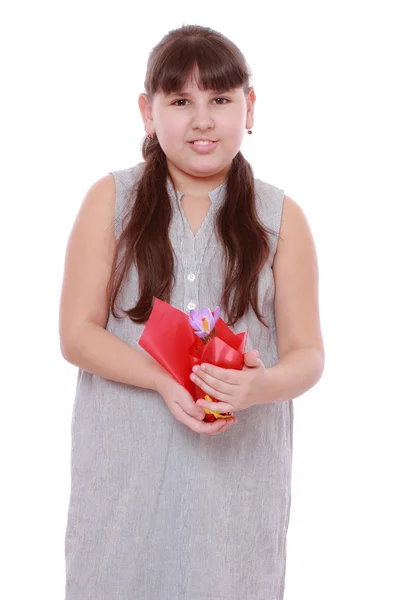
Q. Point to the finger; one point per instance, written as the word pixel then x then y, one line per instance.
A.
pixel 218 407
pixel 231 376
pixel 227 425
pixel 251 358
pixel 209 389
pixel 189 407
pixel 195 425
pixel 217 384
pixel 217 427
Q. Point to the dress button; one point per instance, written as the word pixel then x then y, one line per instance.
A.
pixel 191 306
pixel 191 276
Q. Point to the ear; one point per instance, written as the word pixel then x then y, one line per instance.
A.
pixel 251 98
pixel 146 112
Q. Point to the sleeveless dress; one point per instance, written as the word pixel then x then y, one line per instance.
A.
pixel 157 511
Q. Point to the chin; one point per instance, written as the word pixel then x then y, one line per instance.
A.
pixel 207 162
pixel 205 171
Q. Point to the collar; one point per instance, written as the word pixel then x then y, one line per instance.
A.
pixel 217 195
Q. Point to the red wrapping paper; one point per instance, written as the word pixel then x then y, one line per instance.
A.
pixel 169 338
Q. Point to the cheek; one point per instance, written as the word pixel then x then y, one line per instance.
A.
pixel 233 140
pixel 171 132
pixel 234 126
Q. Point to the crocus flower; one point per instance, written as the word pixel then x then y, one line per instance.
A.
pixel 203 322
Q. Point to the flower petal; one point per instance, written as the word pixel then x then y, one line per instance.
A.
pixel 195 324
pixel 206 317
pixel 202 334
pixel 214 318
pixel 194 316
pixel 205 313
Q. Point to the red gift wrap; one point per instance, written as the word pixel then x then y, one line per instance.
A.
pixel 169 338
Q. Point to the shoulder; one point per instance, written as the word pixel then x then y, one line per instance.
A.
pixel 285 213
pixel 294 227
pixel 101 192
pixel 269 199
pixel 125 178
pixel 267 193
pixel 107 195
pixel 269 202
pixel 124 181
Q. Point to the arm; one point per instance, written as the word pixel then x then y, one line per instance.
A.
pixel 301 355
pixel 84 340
pixel 293 375
pixel 101 352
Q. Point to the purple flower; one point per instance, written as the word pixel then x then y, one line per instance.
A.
pixel 203 322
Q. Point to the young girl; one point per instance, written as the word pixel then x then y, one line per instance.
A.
pixel 163 505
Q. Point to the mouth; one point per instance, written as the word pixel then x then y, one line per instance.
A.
pixel 203 146
pixel 202 142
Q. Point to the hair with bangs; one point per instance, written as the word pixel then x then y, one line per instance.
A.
pixel 220 64
pixel 221 67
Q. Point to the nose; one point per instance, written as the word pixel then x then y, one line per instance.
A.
pixel 202 118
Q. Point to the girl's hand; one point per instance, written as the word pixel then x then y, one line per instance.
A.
pixel 188 412
pixel 234 390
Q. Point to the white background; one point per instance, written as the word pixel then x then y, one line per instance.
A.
pixel 327 132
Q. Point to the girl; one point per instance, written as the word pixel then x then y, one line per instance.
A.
pixel 163 505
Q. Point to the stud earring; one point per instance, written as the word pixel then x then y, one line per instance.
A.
pixel 249 131
pixel 150 136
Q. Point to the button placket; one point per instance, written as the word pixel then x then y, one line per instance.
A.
pixel 191 282
pixel 193 248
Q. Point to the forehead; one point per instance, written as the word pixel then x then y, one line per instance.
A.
pixel 192 88
pixel 192 85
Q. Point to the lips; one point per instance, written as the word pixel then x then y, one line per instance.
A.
pixel 202 140
pixel 204 146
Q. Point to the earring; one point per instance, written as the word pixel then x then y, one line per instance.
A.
pixel 249 131
pixel 150 136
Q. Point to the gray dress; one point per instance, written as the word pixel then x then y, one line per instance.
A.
pixel 158 512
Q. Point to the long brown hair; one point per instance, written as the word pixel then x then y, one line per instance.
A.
pixel 145 239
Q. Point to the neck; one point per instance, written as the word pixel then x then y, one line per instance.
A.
pixel 195 186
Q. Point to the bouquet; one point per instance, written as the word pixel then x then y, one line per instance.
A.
pixel 178 342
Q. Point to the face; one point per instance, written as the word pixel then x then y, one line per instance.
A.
pixel 180 119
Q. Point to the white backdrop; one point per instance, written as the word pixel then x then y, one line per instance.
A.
pixel 327 132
